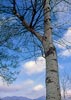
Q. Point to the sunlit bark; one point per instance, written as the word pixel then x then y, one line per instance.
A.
pixel 52 77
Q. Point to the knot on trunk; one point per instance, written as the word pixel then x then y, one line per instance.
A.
pixel 49 80
pixel 51 50
pixel 44 38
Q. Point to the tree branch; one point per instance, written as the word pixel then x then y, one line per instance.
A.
pixel 24 23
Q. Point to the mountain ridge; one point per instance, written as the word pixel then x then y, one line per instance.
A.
pixel 25 98
pixel 21 98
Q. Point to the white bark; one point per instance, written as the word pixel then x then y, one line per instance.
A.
pixel 52 77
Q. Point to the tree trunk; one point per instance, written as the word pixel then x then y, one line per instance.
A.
pixel 52 77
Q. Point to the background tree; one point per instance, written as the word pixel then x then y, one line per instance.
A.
pixel 27 27
pixel 65 84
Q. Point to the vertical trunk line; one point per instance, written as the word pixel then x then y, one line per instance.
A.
pixel 52 76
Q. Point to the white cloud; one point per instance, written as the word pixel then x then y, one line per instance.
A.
pixel 33 67
pixel 67 36
pixel 64 43
pixel 65 40
pixel 26 88
pixel 38 91
pixel 66 53
pixel 38 87
pixel 17 87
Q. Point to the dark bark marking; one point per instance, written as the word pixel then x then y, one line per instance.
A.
pixel 48 80
pixel 53 71
pixel 44 38
pixel 54 59
pixel 50 51
pixel 52 97
pixel 57 88
pixel 49 97
pixel 48 19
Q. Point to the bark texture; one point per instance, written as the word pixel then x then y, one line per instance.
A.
pixel 52 77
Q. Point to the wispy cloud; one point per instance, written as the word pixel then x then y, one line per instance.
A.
pixel 65 44
pixel 17 87
pixel 38 87
pixel 38 91
pixel 26 88
pixel 66 53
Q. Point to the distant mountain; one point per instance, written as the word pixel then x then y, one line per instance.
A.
pixel 21 98
pixel 41 98
pixel 24 98
pixel 15 98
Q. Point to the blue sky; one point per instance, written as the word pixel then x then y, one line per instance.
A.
pixel 31 80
